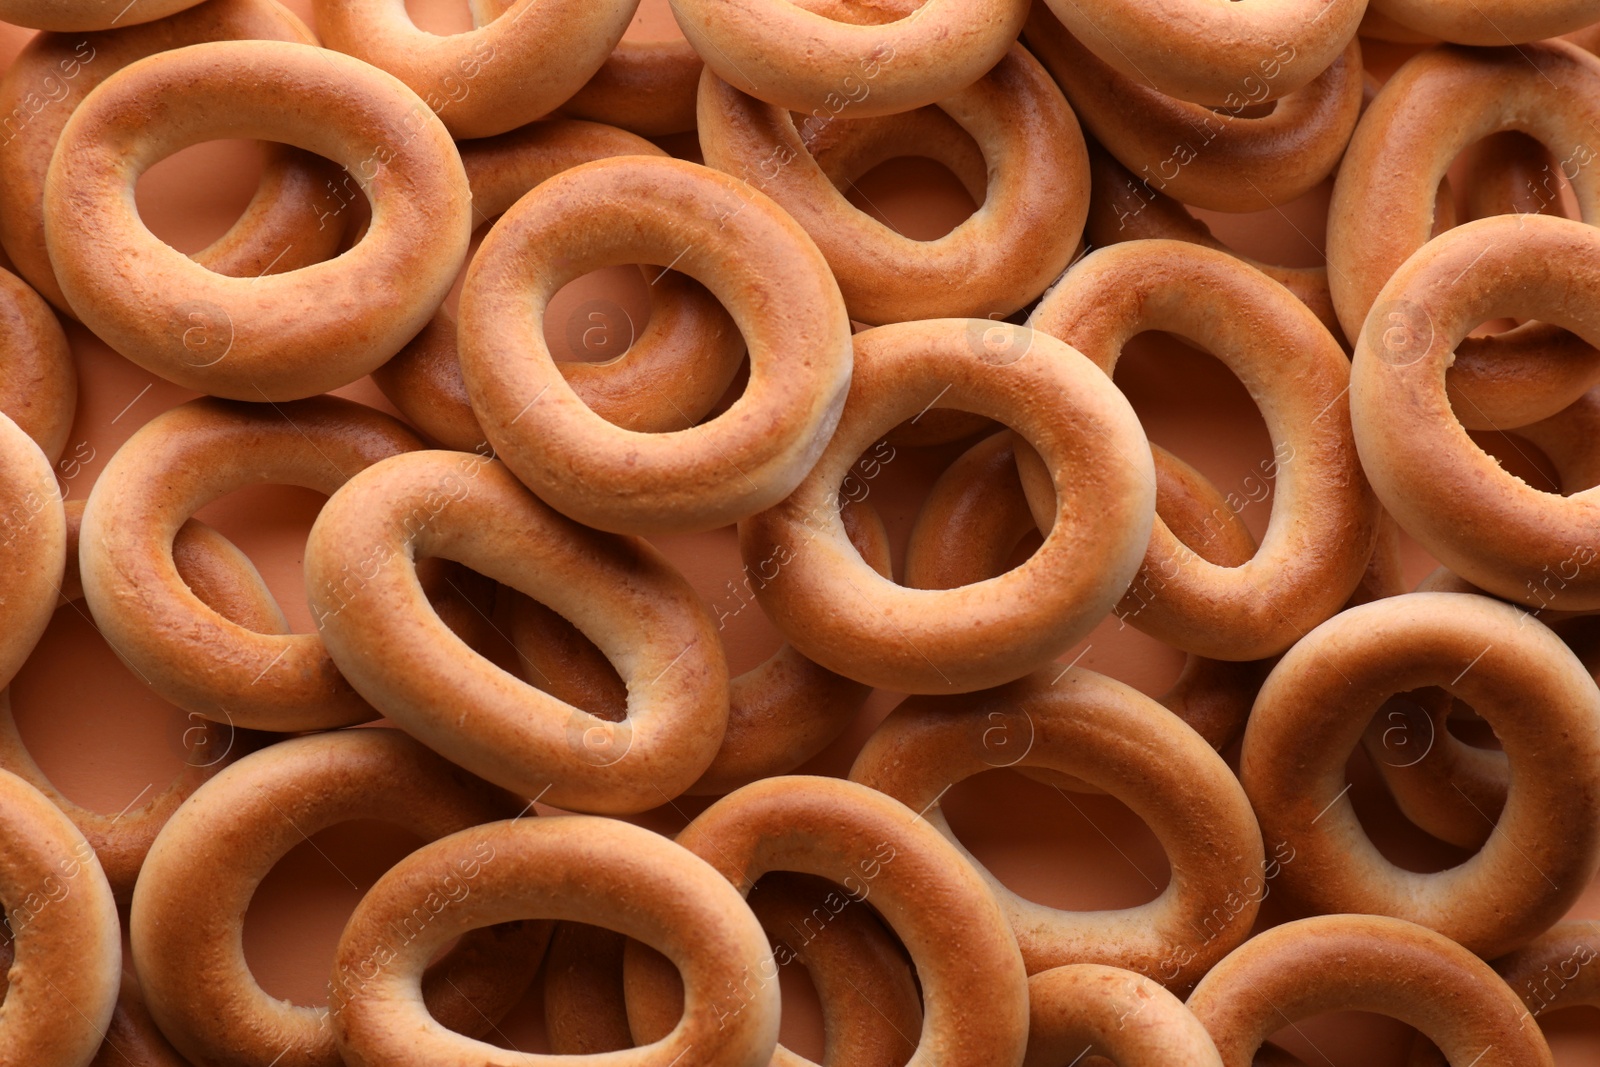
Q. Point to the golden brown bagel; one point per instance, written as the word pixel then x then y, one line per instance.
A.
pixel 225 581
pixel 871 1007
pixel 185 923
pixel 584 1012
pixel 38 381
pixel 64 933
pixel 519 63
pixel 648 87
pixel 1037 183
pixel 1125 208
pixel 177 463
pixel 1436 105
pixel 780 713
pixel 295 217
pixel 280 336
pixel 1218 158
pixel 1104 733
pixel 73 16
pixel 1211 53
pixel 976 514
pixel 574 868
pixel 752 257
pixel 880 852
pixel 1086 1008
pixel 1324 516
pixel 1487 22
pixel 645 87
pixel 1365 963
pixel 679 365
pixel 1318 700
pixel 825 59
pixel 33 546
pixel 621 592
pixel 836 610
pixel 1486 525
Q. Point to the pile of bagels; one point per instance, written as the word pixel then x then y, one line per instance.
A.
pixel 795 345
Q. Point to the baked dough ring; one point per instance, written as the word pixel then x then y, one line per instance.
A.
pixel 752 257
pixel 176 464
pixel 1487 526
pixel 281 336
pixel 1210 52
pixel 227 582
pixel 1550 973
pixel 1488 22
pixel 1365 963
pixel 292 221
pixel 646 87
pixel 803 57
pixel 578 869
pixel 868 992
pixel 62 982
pixel 780 713
pixel 38 381
pixel 1324 516
pixel 976 514
pixel 519 63
pixel 1086 1008
pixel 73 16
pixel 1037 184
pixel 879 851
pixel 1220 159
pixel 33 546
pixel 1436 105
pixel 1318 700
pixel 617 589
pixel 1124 208
pixel 184 927
pixel 676 370
pixel 1111 736
pixel 836 610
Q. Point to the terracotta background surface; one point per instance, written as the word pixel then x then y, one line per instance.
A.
pixel 105 740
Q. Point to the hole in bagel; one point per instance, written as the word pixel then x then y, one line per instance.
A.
pixel 1470 728
pixel 1519 457
pixel 1180 394
pixel 270 524
pixel 916 197
pixel 854 949
pixel 1117 650
pixel 1289 235
pixel 294 920
pixel 1074 851
pixel 1398 839
pixel 194 196
pixel 653 21
pixel 1345 1037
pixel 801 1025
pixel 101 736
pixel 440 17
pixel 598 317
pixel 1572 1033
pixel 1530 178
pixel 1249 111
